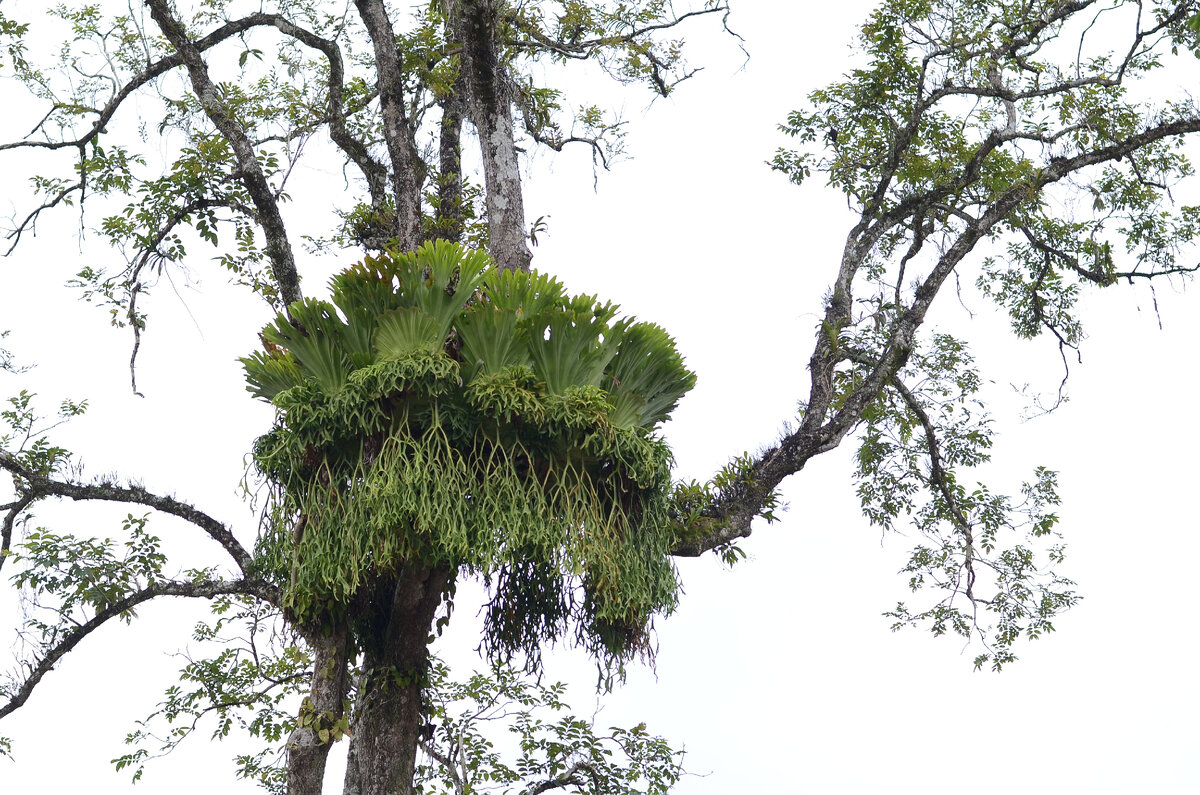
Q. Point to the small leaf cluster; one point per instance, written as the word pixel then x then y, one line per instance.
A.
pixel 693 504
pixel 556 750
pixel 328 727
pixel 983 551
pixel 26 440
pixel 84 576
pixel 250 685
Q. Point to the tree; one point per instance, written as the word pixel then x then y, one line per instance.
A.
pixel 924 172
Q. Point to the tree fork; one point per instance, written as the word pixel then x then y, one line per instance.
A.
pixel 279 249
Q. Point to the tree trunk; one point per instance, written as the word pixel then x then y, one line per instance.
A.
pixel 489 104
pixel 449 220
pixel 408 169
pixel 388 716
pixel 307 753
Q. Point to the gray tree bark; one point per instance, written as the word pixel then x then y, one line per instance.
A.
pixel 388 720
pixel 307 752
pixel 489 107
pixel 399 132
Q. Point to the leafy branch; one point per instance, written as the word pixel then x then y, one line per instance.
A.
pixel 18 693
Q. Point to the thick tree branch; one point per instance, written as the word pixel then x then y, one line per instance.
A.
pixel 12 511
pixel 307 752
pixel 730 516
pixel 568 778
pixel 373 171
pixel 31 484
pixel 279 249
pixel 489 105
pixel 448 223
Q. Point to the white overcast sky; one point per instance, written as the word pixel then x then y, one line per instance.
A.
pixel 779 676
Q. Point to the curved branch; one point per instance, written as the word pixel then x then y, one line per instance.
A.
pixel 374 171
pixel 6 530
pixel 279 250
pixel 155 69
pixel 30 222
pixel 76 635
pixel 557 144
pixel 937 478
pixel 568 778
pixel 33 486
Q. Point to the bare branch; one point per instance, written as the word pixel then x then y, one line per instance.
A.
pixel 30 221
pixel 587 48
pixel 568 778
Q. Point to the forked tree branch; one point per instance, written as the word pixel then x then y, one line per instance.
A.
pixel 730 516
pixel 587 48
pixel 278 248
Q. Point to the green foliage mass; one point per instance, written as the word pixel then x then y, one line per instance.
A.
pixel 440 413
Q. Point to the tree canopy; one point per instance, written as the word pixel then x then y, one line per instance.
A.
pixel 970 143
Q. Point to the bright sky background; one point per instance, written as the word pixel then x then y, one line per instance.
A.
pixel 779 676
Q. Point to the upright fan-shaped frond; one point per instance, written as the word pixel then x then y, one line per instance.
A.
pixel 268 374
pixel 313 335
pixel 491 341
pixel 440 277
pixel 571 347
pixel 523 294
pixel 404 331
pixel 648 377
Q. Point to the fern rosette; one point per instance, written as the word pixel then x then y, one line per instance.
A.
pixel 439 412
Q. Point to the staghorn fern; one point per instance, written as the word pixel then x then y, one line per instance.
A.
pixel 476 420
